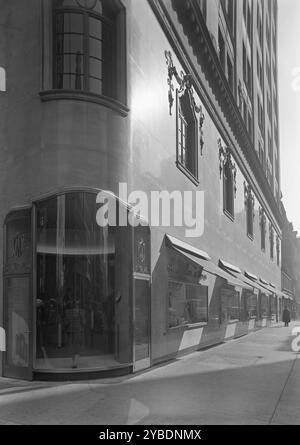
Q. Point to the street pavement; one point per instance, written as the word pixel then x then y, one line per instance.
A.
pixel 249 381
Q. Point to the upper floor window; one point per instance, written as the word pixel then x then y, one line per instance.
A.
pixel 263 223
pixel 230 74
pixel 268 32
pixel 229 9
pixel 270 147
pixel 202 5
pixel 226 59
pixel 187 137
pixel 86 51
pixel 259 25
pixel 271 233
pixel 189 121
pixel 260 73
pixel 247 73
pixel 228 189
pixel 247 18
pixel 2 79
pixel 278 250
pixel 229 171
pixel 249 206
pixel 222 50
pixel 260 115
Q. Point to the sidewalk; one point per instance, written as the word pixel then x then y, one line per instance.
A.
pixel 252 380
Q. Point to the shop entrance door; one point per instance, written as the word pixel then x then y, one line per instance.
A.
pixel 18 301
pixel 18 327
pixel 141 349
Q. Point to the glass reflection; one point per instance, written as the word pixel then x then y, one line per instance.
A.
pixel 75 286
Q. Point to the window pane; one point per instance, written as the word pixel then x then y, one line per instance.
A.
pixel 96 68
pixel 73 23
pixel 187 300
pixel 95 47
pixel 187 304
pixel 69 81
pixel 69 22
pixel 230 304
pixel 197 303
pixel 69 43
pixel 70 64
pixel 264 305
pixel 95 85
pixel 95 28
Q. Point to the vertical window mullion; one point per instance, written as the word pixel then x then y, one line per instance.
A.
pixel 55 56
pixel 182 142
pixel 86 32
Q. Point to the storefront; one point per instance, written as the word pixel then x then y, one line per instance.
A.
pixel 77 295
pixel 249 311
pixel 202 295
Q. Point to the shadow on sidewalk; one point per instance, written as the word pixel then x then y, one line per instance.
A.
pixel 189 393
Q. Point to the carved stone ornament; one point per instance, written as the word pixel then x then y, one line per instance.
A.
pixel 225 158
pixel 249 196
pixel 184 82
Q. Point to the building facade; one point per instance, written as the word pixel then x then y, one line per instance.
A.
pixel 290 279
pixel 160 96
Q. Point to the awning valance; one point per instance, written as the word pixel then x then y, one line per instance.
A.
pixel 267 286
pixel 175 242
pixel 203 260
pixel 245 279
pixel 211 268
pixel 251 276
pixel 229 267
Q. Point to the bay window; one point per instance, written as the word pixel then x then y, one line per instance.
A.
pixel 86 51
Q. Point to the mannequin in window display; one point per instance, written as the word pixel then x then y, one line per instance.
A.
pixel 51 321
pixel 40 317
pixel 74 327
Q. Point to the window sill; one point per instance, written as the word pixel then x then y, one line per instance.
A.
pixel 187 173
pixel 228 214
pixel 196 325
pixel 187 327
pixel 85 96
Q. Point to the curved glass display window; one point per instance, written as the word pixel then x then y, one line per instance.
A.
pixel 82 320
